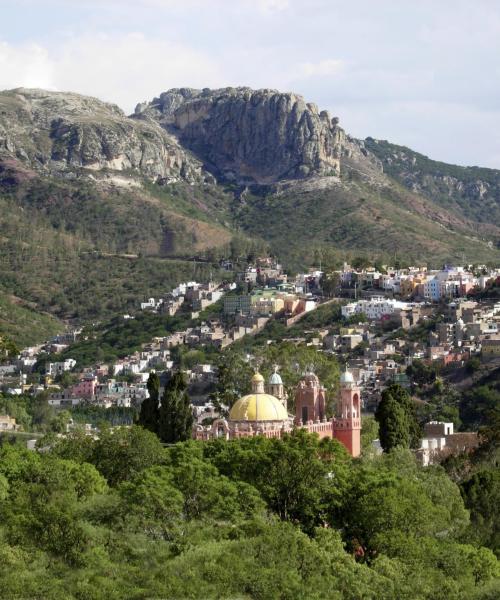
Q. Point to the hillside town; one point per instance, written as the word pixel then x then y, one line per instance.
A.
pixel 389 320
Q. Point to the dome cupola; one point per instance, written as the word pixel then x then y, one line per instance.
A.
pixel 346 377
pixel 258 406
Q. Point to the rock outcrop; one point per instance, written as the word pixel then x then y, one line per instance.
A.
pixel 54 131
pixel 250 136
pixel 258 137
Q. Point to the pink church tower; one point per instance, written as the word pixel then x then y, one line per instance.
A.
pixel 309 400
pixel 347 425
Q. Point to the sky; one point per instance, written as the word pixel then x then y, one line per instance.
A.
pixel 424 74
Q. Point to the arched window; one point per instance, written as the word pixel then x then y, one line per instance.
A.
pixel 355 403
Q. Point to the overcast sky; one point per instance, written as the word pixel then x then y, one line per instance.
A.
pixel 425 74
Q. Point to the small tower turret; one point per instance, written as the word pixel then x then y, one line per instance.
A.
pixel 258 384
pixel 275 387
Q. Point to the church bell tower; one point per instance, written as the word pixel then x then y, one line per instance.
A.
pixel 347 425
pixel 310 400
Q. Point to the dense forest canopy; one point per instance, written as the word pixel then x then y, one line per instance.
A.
pixel 122 516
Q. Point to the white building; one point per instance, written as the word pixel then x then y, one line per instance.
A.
pixel 375 308
pixel 56 368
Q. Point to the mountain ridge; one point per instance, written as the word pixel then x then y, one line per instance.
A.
pixel 212 173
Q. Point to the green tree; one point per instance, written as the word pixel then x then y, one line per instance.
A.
pixel 330 282
pixel 152 500
pixel 360 262
pixel 118 454
pixel 176 414
pixel 60 422
pixel 300 477
pixel 481 494
pixel 421 373
pixel 397 421
pixel 369 433
pixel 150 411
pixel 392 496
pixel 8 348
pixel 233 379
pixel 42 507
pixel 66 379
pixel 393 427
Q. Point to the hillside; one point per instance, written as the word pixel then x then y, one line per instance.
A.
pixel 81 249
pixel 24 325
pixel 99 209
pixel 300 173
pixel 349 219
pixel 471 191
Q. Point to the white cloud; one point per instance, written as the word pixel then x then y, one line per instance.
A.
pixel 272 6
pixel 130 68
pixel 124 68
pixel 322 68
pixel 27 65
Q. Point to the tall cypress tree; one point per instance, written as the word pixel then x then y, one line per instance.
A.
pixel 176 415
pixel 406 402
pixel 398 425
pixel 149 415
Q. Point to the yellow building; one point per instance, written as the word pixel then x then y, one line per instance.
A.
pixel 407 287
pixel 491 346
pixel 8 423
pixel 257 413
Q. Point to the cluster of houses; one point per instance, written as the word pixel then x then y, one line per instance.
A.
pixel 420 283
pixel 195 296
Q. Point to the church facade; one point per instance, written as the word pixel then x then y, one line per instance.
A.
pixel 264 412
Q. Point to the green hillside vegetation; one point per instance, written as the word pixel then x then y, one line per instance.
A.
pixel 88 249
pixel 82 252
pixel 432 176
pixel 117 337
pixel 24 325
pixel 387 223
pixel 123 517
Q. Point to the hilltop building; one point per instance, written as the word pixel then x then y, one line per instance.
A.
pixel 264 412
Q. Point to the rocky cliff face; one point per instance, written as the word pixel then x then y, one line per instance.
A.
pixel 52 131
pixel 250 136
pixel 237 134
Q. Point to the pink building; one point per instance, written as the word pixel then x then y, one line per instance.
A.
pixel 85 388
pixel 262 413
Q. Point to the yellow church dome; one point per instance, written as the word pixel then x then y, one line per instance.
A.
pixel 258 407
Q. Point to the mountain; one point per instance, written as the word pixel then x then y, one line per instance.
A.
pixel 99 213
pixel 255 136
pixel 99 209
pixel 306 184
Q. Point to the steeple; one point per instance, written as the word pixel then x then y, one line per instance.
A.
pixel 347 424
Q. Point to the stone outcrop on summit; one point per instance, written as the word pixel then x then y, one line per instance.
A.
pixel 233 134
pixel 250 136
pixel 56 131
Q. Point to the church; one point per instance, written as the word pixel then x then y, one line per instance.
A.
pixel 264 412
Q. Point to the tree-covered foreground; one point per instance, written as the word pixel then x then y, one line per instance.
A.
pixel 124 517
